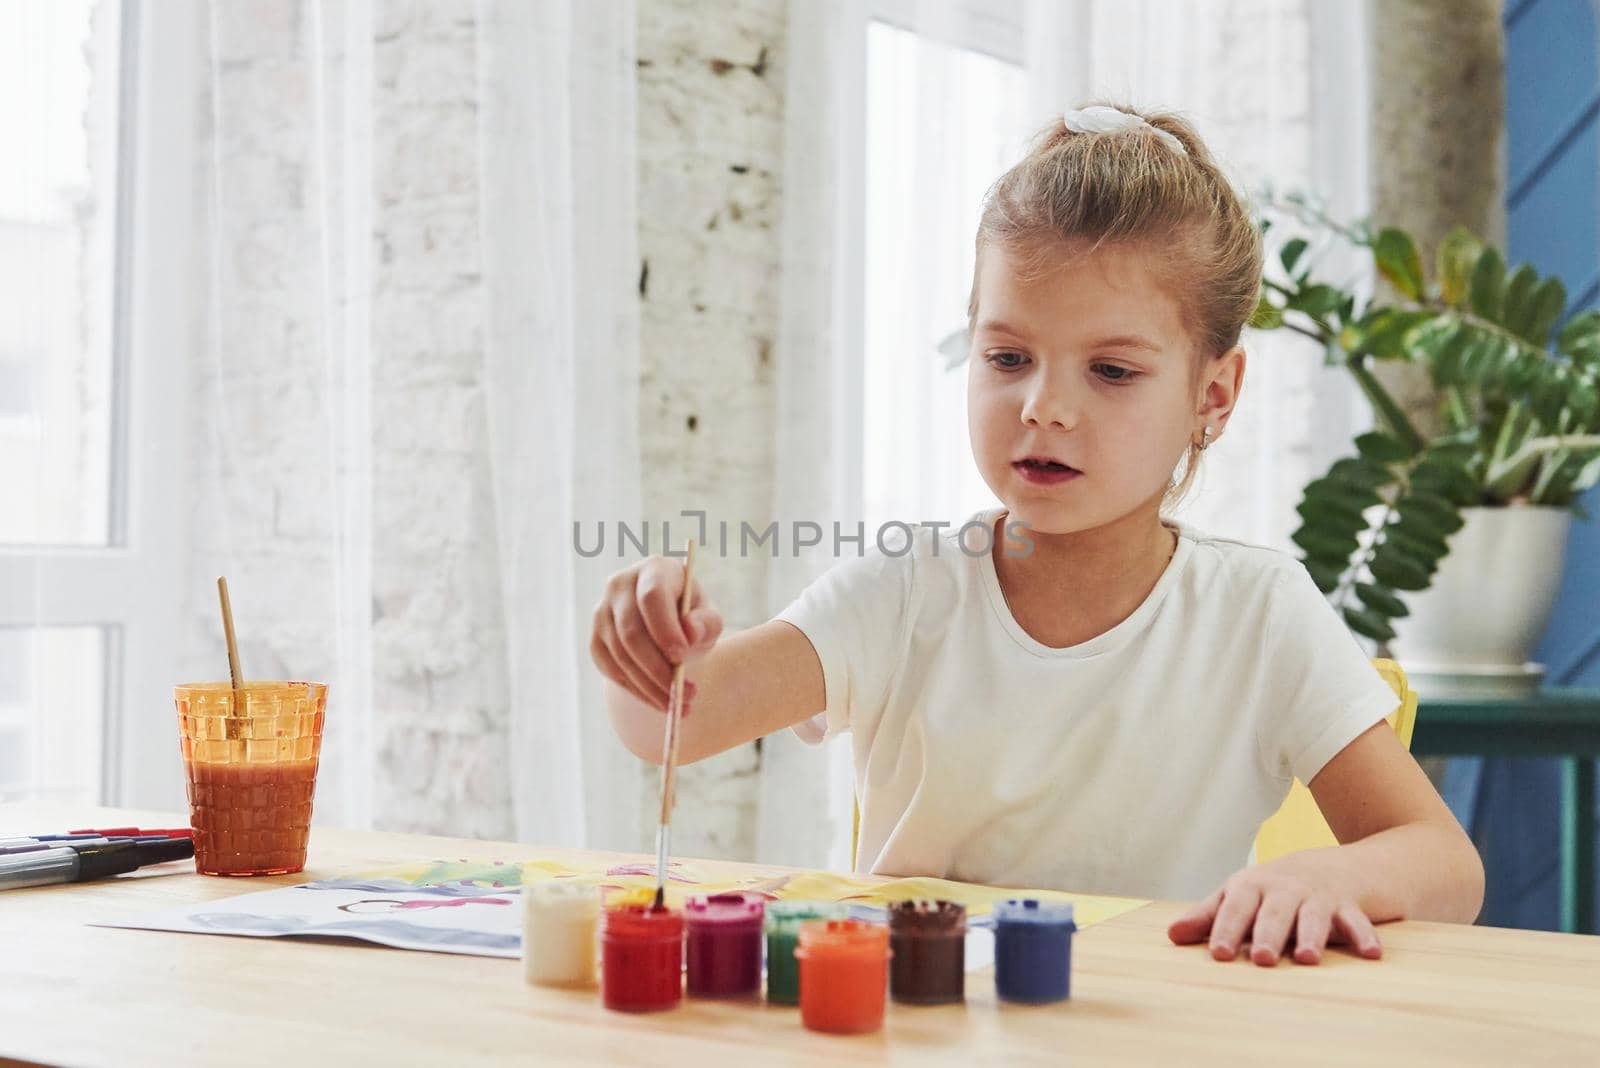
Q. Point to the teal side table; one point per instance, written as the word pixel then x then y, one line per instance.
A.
pixel 1562 723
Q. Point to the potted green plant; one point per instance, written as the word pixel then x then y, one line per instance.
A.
pixel 1493 481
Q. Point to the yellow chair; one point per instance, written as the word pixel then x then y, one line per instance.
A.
pixel 1298 823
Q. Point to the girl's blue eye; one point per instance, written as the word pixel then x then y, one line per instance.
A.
pixel 1006 361
pixel 1118 375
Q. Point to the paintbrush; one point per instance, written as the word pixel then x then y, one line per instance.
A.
pixel 233 647
pixel 669 759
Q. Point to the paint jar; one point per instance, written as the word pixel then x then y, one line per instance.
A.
pixel 1033 950
pixel 558 933
pixel 783 931
pixel 641 950
pixel 724 945
pixel 844 970
pixel 928 941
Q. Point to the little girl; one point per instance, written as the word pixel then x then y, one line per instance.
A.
pixel 1072 691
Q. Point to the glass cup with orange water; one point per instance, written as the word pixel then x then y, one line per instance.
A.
pixel 250 757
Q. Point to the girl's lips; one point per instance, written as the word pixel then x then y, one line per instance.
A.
pixel 1045 476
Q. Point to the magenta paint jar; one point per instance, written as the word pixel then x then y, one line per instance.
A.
pixel 724 944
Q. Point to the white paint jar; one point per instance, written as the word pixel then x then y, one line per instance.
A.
pixel 558 934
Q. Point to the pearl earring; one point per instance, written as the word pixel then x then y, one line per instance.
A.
pixel 1205 438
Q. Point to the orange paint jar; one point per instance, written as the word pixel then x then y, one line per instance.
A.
pixel 844 973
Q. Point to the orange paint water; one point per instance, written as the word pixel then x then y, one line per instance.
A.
pixel 251 819
pixel 251 757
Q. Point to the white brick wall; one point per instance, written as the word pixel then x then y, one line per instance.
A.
pixel 441 711
pixel 710 124
pixel 710 151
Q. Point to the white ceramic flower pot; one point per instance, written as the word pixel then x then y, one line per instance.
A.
pixel 1475 628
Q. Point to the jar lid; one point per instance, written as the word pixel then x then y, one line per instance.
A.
pixel 787 916
pixel 1032 911
pixel 638 895
pixel 725 910
pixel 922 916
pixel 642 921
pixel 843 936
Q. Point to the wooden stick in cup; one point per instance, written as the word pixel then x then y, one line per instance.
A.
pixel 233 645
pixel 669 757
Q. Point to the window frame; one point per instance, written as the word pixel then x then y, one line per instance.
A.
pixel 990 27
pixel 131 587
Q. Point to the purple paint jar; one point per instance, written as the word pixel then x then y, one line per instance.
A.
pixel 725 934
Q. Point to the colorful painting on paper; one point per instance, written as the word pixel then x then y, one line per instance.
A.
pixel 470 906
pixel 472 877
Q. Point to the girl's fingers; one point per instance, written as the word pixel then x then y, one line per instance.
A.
pixel 653 692
pixel 612 670
pixel 1358 931
pixel 1311 933
pixel 1274 921
pixel 704 627
pixel 1233 920
pixel 657 603
pixel 1194 925
pixel 634 648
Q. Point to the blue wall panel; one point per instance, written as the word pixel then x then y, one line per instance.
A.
pixel 1552 207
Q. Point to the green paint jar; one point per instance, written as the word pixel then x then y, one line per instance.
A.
pixel 783 932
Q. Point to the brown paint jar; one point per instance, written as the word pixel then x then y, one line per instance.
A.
pixel 929 942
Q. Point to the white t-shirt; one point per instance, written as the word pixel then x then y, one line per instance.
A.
pixel 1140 762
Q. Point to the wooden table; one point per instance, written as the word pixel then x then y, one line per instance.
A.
pixel 1555 722
pixel 81 995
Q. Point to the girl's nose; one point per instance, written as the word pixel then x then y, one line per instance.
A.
pixel 1049 407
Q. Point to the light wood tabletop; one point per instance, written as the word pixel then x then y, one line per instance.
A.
pixel 81 995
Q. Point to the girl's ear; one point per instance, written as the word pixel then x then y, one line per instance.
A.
pixel 1220 383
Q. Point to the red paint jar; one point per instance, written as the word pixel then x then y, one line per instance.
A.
pixel 844 970
pixel 724 945
pixel 641 953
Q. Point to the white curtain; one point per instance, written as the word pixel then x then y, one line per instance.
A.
pixel 414 367
pixel 562 354
pixel 899 115
pixel 1279 91
pixel 804 802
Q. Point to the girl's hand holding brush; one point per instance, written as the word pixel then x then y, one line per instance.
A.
pixel 639 636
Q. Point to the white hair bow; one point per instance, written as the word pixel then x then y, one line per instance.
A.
pixel 1103 119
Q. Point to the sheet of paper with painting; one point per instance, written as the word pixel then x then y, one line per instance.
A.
pixel 468 906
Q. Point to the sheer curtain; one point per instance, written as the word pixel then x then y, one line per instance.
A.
pixel 1280 96
pixel 410 364
pixel 900 113
pixel 560 224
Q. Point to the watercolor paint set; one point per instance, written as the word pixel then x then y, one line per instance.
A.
pixel 840 971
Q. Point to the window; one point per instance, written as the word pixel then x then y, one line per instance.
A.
pixel 96 104
pixel 940 129
pixel 954 93
pixel 56 755
pixel 59 97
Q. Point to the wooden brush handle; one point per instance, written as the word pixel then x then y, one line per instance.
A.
pixel 233 645
pixel 669 760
